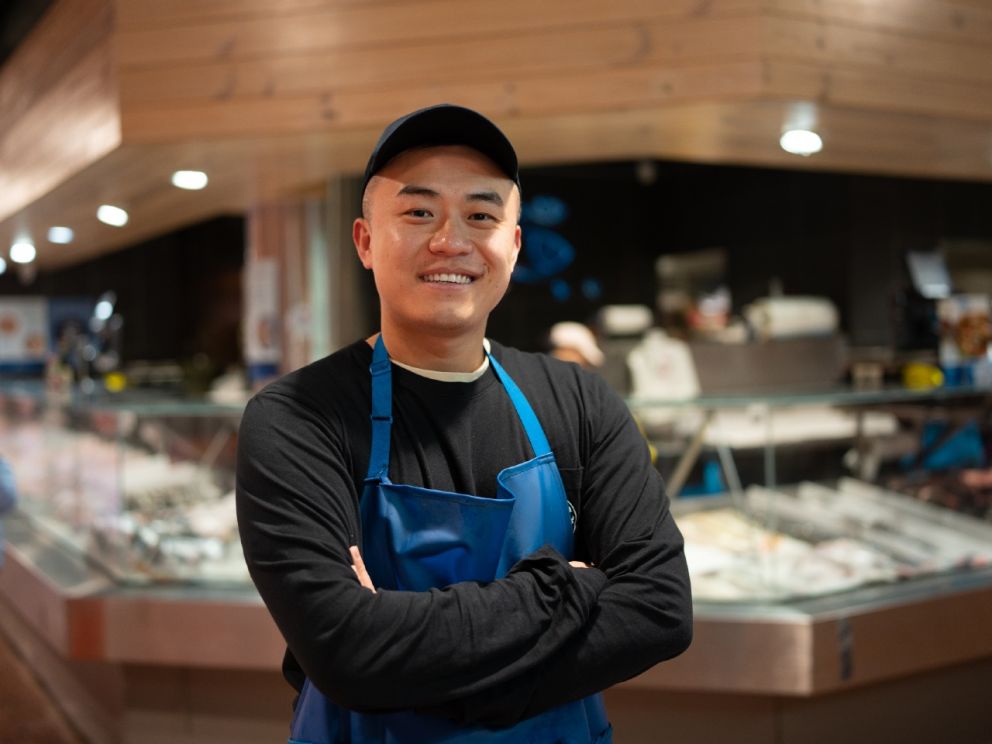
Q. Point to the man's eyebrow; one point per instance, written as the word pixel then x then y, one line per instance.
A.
pixel 414 190
pixel 486 196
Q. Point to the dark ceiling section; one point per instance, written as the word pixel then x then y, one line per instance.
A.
pixel 17 18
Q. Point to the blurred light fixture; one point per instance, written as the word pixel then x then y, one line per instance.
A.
pixel 801 142
pixel 22 252
pixel 60 235
pixel 104 309
pixel 111 215
pixel 191 180
pixel 3 266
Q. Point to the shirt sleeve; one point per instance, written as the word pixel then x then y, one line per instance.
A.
pixel 298 514
pixel 644 614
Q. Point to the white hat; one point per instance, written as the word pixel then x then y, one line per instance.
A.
pixel 569 335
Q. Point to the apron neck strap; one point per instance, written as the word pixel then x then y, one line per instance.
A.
pixel 382 411
pixel 535 433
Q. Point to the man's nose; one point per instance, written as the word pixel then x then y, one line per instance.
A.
pixel 451 237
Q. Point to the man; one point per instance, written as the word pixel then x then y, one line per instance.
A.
pixel 459 541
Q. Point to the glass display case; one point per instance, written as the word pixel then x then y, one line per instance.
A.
pixel 144 488
pixel 813 540
pixel 807 593
pixel 751 541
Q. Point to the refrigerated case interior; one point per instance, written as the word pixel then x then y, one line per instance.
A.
pixel 146 489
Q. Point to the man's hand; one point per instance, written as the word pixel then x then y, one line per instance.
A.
pixel 579 564
pixel 358 566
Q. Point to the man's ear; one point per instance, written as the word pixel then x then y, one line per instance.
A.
pixel 516 246
pixel 362 235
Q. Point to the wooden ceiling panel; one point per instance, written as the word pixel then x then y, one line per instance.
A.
pixel 155 14
pixel 137 178
pixel 936 19
pixel 272 97
pixel 552 95
pixel 67 33
pixel 876 91
pixel 58 103
pixel 248 172
pixel 842 45
pixel 485 57
pixel 747 133
pixel 380 25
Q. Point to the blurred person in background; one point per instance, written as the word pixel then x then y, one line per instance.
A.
pixel 575 342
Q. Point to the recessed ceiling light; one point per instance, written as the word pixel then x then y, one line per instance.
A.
pixel 111 215
pixel 192 180
pixel 60 235
pixel 801 142
pixel 22 252
pixel 3 266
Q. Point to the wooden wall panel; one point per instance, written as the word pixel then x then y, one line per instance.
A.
pixel 214 70
pixel 62 38
pixel 290 31
pixel 554 94
pixel 901 54
pixel 143 14
pixel 935 19
pixel 272 97
pixel 294 73
pixel 579 49
pixel 877 91
pixel 58 103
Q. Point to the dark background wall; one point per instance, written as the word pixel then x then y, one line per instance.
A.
pixel 840 235
pixel 179 294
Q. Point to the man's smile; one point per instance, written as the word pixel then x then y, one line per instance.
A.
pixel 448 278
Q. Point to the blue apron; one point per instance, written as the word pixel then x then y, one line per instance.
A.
pixel 417 538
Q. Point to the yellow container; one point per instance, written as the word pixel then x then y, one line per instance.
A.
pixel 917 376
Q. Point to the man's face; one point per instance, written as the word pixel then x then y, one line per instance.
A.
pixel 440 235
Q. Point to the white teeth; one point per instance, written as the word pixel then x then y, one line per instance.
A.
pixel 450 278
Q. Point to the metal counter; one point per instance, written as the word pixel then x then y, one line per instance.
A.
pixel 84 615
pixel 802 648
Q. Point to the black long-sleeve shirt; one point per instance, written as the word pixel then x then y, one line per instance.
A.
pixel 491 653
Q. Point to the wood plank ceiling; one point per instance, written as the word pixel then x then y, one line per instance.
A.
pixel 271 97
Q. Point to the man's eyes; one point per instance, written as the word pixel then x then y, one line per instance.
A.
pixel 423 214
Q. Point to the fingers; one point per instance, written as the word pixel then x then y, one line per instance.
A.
pixel 358 566
pixel 579 564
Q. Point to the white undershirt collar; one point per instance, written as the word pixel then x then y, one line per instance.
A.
pixel 433 374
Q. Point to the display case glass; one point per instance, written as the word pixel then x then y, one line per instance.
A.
pixel 144 488
pixel 750 540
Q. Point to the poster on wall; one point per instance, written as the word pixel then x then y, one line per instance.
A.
pixel 23 332
pixel 261 330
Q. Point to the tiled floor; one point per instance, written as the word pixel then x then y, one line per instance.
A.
pixel 27 715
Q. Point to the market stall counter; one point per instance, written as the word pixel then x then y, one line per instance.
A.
pixel 896 648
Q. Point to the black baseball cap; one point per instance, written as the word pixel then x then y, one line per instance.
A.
pixel 443 124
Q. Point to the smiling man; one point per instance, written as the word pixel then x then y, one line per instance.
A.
pixel 440 236
pixel 459 541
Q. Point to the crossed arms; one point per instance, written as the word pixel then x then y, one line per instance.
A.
pixel 492 653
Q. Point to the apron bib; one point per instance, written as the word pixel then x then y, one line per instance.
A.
pixel 415 539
